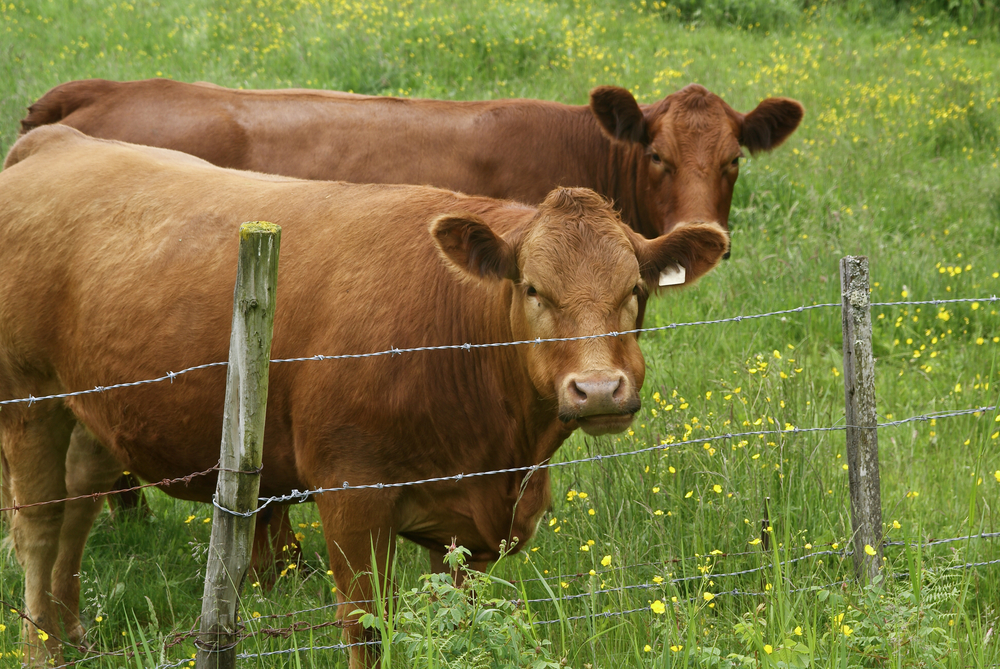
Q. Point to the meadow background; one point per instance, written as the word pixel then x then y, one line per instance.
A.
pixel 897 159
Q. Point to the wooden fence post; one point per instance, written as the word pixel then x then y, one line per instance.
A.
pixel 862 437
pixel 242 443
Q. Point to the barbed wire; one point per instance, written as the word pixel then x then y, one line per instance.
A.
pixel 990 299
pixel 298 496
pixel 95 495
pixel 302 626
pixel 393 351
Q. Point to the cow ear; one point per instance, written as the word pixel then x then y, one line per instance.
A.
pixel 682 256
pixel 472 248
pixel 770 124
pixel 618 114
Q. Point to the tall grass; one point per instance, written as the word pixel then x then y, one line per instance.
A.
pixel 897 159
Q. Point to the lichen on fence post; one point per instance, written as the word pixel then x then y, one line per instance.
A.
pixel 862 435
pixel 242 443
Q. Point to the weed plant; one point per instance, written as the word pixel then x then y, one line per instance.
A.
pixel 645 560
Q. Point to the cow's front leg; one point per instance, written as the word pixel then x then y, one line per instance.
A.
pixel 358 527
pixel 90 468
pixel 274 544
pixel 35 440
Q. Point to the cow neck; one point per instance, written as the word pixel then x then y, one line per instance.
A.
pixel 624 184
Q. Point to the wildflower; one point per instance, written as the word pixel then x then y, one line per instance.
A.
pixel 755 541
pixel 676 649
pixel 256 614
pixel 658 607
pixel 657 579
pixel 869 550
pixel 583 495
pixel 553 521
pixel 896 525
pixel 797 631
pixel 96 620
pixel 768 649
pixel 189 519
pixel 689 493
pixel 207 520
pixel 45 637
pixel 708 596
pixel 592 572
pixel 846 630
pixel 585 548
pixel 606 561
pixel 591 512
pixel 647 648
pixel 717 488
pixel 656 489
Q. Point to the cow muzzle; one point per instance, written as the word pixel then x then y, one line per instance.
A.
pixel 601 402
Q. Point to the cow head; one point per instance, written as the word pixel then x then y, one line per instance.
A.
pixel 682 154
pixel 575 271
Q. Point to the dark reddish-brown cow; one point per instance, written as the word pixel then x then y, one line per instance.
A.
pixel 669 162
pixel 661 164
pixel 131 250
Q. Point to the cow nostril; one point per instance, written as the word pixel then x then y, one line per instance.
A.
pixel 577 393
pixel 619 392
pixel 726 255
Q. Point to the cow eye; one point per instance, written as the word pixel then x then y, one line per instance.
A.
pixel 655 157
pixel 531 291
pixel 635 289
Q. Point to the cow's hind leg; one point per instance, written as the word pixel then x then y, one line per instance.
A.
pixel 90 469
pixel 35 440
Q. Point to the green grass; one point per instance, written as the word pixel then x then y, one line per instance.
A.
pixel 897 159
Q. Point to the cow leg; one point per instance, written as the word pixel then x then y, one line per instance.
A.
pixel 274 543
pixel 357 526
pixel 90 468
pixel 131 501
pixel 35 440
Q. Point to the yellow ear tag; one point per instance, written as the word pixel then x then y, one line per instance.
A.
pixel 672 276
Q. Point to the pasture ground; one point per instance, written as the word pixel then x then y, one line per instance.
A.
pixel 897 159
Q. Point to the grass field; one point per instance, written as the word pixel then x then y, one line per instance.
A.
pixel 897 159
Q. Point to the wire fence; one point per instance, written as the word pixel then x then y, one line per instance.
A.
pixel 296 496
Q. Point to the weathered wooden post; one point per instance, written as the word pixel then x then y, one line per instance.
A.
pixel 862 437
pixel 242 443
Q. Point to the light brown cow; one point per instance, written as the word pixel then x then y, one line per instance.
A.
pixel 119 263
pixel 661 164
